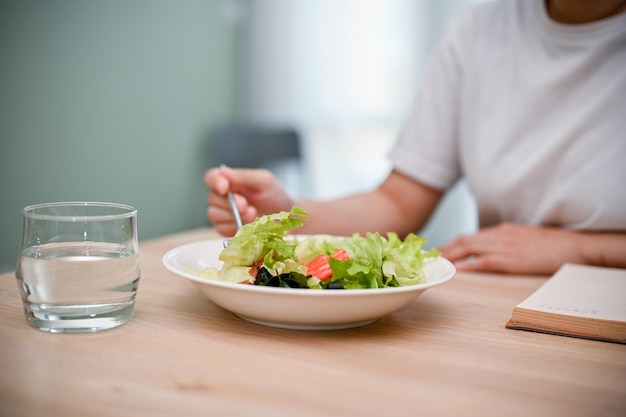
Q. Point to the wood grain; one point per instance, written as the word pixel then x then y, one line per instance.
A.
pixel 446 354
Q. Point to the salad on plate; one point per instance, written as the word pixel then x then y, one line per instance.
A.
pixel 265 253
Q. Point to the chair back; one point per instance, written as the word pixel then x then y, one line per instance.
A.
pixel 245 146
pixel 278 149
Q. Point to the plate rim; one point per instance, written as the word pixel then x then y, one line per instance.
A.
pixel 169 256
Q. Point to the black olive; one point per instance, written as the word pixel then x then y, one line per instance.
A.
pixel 335 285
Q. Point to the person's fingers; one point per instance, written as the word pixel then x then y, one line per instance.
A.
pixel 490 249
pixel 220 221
pixel 249 180
pixel 454 250
pixel 221 215
pixel 216 180
pixel 511 248
pixel 469 245
pixel 256 192
pixel 487 262
pixel 218 200
pixel 249 214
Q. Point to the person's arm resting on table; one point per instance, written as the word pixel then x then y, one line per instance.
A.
pixel 515 248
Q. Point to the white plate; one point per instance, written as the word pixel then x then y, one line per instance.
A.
pixel 292 308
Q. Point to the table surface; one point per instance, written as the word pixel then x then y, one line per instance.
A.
pixel 448 353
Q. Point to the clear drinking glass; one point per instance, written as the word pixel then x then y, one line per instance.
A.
pixel 78 268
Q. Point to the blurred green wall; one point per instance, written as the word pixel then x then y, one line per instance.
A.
pixel 111 101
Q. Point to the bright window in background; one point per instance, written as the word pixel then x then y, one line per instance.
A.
pixel 344 72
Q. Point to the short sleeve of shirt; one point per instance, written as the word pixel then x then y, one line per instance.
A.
pixel 530 112
pixel 427 148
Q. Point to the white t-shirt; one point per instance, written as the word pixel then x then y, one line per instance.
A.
pixel 532 113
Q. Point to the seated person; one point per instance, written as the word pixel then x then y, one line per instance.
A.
pixel 526 100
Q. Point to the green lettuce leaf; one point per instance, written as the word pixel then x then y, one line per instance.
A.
pixel 375 261
pixel 404 260
pixel 309 248
pixel 255 240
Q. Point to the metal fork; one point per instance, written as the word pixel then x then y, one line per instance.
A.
pixel 233 208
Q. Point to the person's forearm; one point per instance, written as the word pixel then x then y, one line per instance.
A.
pixel 334 217
pixel 603 248
pixel 399 204
pixel 355 214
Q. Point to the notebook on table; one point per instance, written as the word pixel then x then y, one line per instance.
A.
pixel 578 301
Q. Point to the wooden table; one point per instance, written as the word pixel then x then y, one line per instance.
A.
pixel 447 354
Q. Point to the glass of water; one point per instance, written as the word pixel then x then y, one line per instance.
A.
pixel 78 268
